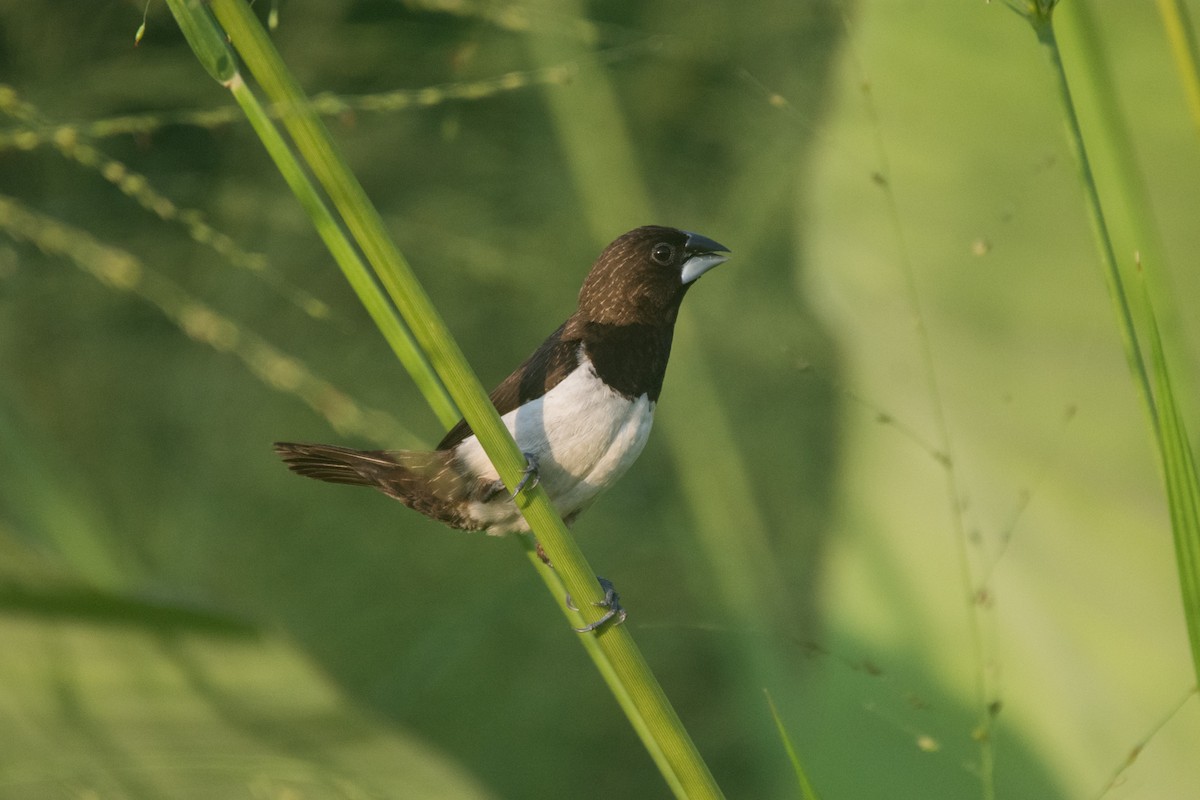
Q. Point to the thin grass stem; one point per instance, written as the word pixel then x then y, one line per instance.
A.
pixel 1112 152
pixel 985 688
pixel 807 791
pixel 1178 28
pixel 1041 18
pixel 1182 482
pixel 122 271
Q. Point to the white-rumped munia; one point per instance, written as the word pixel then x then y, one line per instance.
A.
pixel 580 407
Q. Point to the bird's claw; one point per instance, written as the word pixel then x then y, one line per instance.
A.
pixel 530 473
pixel 611 601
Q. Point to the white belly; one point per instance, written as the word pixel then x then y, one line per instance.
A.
pixel 584 435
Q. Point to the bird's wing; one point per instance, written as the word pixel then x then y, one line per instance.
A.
pixel 538 374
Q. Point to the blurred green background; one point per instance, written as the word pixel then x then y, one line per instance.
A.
pixel 179 617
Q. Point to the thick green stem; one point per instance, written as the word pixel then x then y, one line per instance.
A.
pixel 613 650
pixel 1166 421
pixel 214 53
pixel 347 257
pixel 1043 25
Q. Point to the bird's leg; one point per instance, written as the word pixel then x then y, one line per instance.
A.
pixel 611 601
pixel 530 473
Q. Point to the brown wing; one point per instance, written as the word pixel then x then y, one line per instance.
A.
pixel 538 374
pixel 428 482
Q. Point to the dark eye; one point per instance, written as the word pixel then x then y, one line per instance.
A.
pixel 662 253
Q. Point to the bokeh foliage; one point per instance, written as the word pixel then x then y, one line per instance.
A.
pixel 164 581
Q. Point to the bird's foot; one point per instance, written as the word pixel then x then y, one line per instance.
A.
pixel 611 602
pixel 530 473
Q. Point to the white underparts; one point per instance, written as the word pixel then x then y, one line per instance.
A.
pixel 584 435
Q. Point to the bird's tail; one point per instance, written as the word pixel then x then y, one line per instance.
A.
pixel 327 462
pixel 429 482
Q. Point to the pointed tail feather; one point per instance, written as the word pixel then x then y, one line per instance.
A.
pixel 326 462
pixel 427 482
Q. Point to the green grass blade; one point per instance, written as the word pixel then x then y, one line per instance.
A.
pixel 1129 208
pixel 1167 428
pixel 322 156
pixel 806 788
pixel 122 271
pixel 168 702
pixel 382 313
pixel 1183 483
pixel 1041 17
pixel 206 38
pixel 1183 49
pixel 614 651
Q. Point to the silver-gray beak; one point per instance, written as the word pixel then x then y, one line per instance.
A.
pixel 705 254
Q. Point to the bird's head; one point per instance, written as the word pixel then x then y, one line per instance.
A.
pixel 641 277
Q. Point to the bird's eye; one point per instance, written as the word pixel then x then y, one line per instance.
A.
pixel 662 253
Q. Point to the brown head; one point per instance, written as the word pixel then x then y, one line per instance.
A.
pixel 641 277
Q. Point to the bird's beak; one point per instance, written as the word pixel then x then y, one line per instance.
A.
pixel 704 254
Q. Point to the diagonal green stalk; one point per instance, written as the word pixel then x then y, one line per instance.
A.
pixel 613 650
pixel 807 791
pixel 1185 52
pixel 1111 150
pixel 981 646
pixel 382 313
pixel 1040 16
pixel 214 53
pixel 1166 422
pixel 1182 481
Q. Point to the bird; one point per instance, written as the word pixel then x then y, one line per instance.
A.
pixel 580 407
